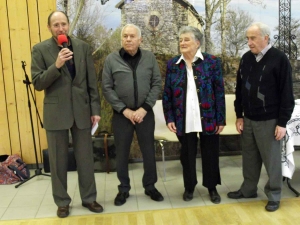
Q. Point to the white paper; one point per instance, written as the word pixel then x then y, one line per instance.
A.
pixel 94 129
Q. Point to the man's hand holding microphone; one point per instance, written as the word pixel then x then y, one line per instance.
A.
pixel 65 53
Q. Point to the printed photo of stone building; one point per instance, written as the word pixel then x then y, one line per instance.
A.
pixel 160 21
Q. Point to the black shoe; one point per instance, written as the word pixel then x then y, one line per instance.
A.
pixel 155 195
pixel 121 198
pixel 187 196
pixel 272 206
pixel 238 194
pixel 214 196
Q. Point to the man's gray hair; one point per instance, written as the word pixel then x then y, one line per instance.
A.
pixel 194 30
pixel 132 25
pixel 264 28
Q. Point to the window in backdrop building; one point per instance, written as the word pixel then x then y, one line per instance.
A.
pixel 154 21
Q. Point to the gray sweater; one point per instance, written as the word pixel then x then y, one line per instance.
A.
pixel 123 86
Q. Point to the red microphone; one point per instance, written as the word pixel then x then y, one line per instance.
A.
pixel 63 40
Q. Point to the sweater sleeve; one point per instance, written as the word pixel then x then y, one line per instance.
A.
pixel 108 91
pixel 238 94
pixel 287 101
pixel 155 86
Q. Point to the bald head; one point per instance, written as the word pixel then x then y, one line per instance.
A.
pixel 55 12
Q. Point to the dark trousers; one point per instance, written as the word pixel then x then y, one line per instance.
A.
pixel 123 134
pixel 210 160
pixel 58 141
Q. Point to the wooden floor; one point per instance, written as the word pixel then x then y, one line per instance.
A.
pixel 236 213
pixel 33 203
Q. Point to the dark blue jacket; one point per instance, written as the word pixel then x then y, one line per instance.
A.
pixel 210 88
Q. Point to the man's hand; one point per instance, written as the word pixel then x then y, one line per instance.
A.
pixel 279 132
pixel 64 55
pixel 139 115
pixel 239 124
pixel 135 116
pixel 128 113
pixel 95 119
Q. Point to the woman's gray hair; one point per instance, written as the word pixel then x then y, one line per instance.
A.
pixel 132 25
pixel 194 30
pixel 264 28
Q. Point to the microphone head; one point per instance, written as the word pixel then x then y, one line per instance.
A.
pixel 62 38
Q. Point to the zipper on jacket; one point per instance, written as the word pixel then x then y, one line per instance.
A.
pixel 135 85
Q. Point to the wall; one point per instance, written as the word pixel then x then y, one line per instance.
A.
pixel 23 24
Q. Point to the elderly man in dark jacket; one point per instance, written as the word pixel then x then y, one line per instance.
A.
pixel 264 104
pixel 131 83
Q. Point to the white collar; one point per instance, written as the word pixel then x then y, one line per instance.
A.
pixel 264 51
pixel 197 56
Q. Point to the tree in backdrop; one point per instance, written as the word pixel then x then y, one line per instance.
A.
pixel 223 26
pixel 297 41
pixel 211 8
pixel 236 23
pixel 233 29
pixel 86 18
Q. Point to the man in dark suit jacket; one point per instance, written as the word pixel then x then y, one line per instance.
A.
pixel 71 103
pixel 131 83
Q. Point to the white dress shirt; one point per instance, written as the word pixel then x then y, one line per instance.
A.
pixel 192 112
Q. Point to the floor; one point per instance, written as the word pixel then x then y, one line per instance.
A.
pixel 33 199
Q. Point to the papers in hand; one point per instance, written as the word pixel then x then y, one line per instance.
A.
pixel 94 129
